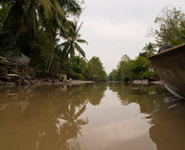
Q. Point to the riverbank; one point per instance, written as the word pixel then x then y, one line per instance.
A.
pixel 57 82
pixel 12 75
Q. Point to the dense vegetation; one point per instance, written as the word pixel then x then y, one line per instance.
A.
pixel 128 69
pixel 47 31
pixel 170 30
pixel 80 68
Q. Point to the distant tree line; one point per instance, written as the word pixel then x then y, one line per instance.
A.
pixel 128 69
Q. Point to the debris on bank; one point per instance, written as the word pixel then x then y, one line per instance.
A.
pixel 12 74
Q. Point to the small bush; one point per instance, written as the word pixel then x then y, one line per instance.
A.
pixel 148 74
pixel 78 76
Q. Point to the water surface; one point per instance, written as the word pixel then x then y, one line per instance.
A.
pixel 91 117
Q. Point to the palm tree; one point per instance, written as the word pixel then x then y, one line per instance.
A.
pixel 150 47
pixel 73 38
pixel 148 50
pixel 30 12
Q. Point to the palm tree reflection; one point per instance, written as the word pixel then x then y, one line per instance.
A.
pixel 66 127
pixel 51 120
pixel 67 124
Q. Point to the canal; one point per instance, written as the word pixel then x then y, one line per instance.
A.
pixel 91 117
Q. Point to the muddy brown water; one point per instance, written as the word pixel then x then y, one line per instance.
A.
pixel 91 117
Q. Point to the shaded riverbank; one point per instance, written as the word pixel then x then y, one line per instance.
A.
pixel 12 75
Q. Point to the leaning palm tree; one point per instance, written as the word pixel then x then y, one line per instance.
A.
pixel 73 38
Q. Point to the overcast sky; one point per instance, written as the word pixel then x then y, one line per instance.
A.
pixel 114 28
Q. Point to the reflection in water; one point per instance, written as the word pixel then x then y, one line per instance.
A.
pixel 44 118
pixel 148 97
pixel 166 113
pixel 89 117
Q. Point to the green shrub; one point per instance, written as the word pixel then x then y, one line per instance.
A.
pixel 148 74
pixel 78 76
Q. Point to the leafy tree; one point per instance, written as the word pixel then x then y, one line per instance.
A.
pixel 77 68
pixel 96 69
pixel 171 27
pixel 113 76
pixel 124 68
pixel 139 66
